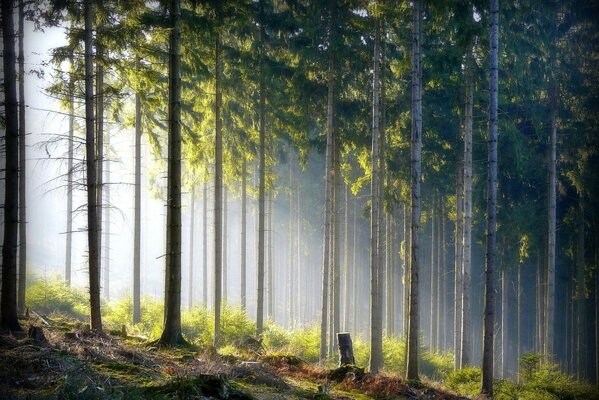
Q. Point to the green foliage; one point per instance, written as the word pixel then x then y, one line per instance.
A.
pixel 54 296
pixel 465 381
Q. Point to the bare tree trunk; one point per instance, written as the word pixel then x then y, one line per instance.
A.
pixel 504 322
pixel 205 245
pixel 106 230
pixel 192 206
pixel 91 184
pixel 22 168
pixel 326 266
pixel 69 233
pixel 441 290
pixel 100 151
pixel 218 189
pixel 434 276
pixel 243 234
pixel 225 245
pixel 415 163
pixel 8 314
pixel 336 243
pixel 376 312
pixel 355 273
pixel 458 267
pixel 489 317
pixel 137 218
pixel 270 264
pixel 346 269
pixel 172 324
pixel 581 346
pixel 466 347
pixel 262 182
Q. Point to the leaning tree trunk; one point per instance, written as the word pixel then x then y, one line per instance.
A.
pixel 22 168
pixel 172 324
pixel 218 191
pixel 466 346
pixel 8 307
pixel 91 183
pixel 137 218
pixel 262 181
pixel 376 314
pixel 489 317
pixel 243 234
pixel 328 186
pixel 415 162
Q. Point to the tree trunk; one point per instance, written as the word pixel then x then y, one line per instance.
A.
pixel 346 349
pixel 225 244
pixel 8 314
pixel 346 269
pixel 69 233
pixel 262 181
pixel 269 248
pixel 336 243
pixel 137 218
pixel 434 276
pixel 355 273
pixel 326 266
pixel 218 188
pixel 504 322
pixel 466 347
pixel 106 230
pixel 376 312
pixel 172 324
pixel 91 184
pixel 458 267
pixel 581 347
pixel 243 234
pixel 22 168
pixel 191 244
pixel 441 292
pixel 100 151
pixel 489 317
pixel 415 163
pixel 205 245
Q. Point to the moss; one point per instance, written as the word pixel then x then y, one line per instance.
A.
pixel 203 385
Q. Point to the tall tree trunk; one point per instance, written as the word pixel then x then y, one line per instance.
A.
pixel 504 322
pixel 415 163
pixel 552 201
pixel 519 314
pixel 262 180
pixel 441 290
pixel 326 266
pixel 225 244
pixel 270 252
pixel 434 276
pixel 355 272
pixel 172 324
pixel 243 234
pixel 489 317
pixel 8 308
pixel 336 244
pixel 458 267
pixel 376 312
pixel 137 218
pixel 466 347
pixel 100 150
pixel 106 230
pixel 22 168
pixel 218 188
pixel 205 245
pixel 69 233
pixel 191 245
pixel 346 268
pixel 581 346
pixel 91 182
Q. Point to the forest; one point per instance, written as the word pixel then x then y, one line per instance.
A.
pixel 299 199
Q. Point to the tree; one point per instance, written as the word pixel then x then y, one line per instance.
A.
pixel 415 163
pixel 22 167
pixel 69 233
pixel 489 319
pixel 91 170
pixel 8 308
pixel 376 312
pixel 171 334
pixel 243 268
pixel 137 217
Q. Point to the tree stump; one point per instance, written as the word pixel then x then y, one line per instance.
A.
pixel 36 333
pixel 346 349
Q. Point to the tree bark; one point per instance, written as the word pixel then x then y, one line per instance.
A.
pixel 137 218
pixel 243 234
pixel 376 312
pixel 270 253
pixel 106 222
pixel 218 188
pixel 336 243
pixel 504 322
pixel 441 290
pixel 205 245
pixel 91 182
pixel 346 269
pixel 225 244
pixel 581 346
pixel 415 163
pixel 434 276
pixel 100 151
pixel 326 266
pixel 8 314
pixel 458 267
pixel 69 233
pixel 489 317
pixel 191 245
pixel 22 168
pixel 172 324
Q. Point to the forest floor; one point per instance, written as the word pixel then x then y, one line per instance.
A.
pixel 67 361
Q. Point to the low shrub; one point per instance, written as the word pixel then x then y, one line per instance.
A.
pixel 465 381
pixel 48 296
